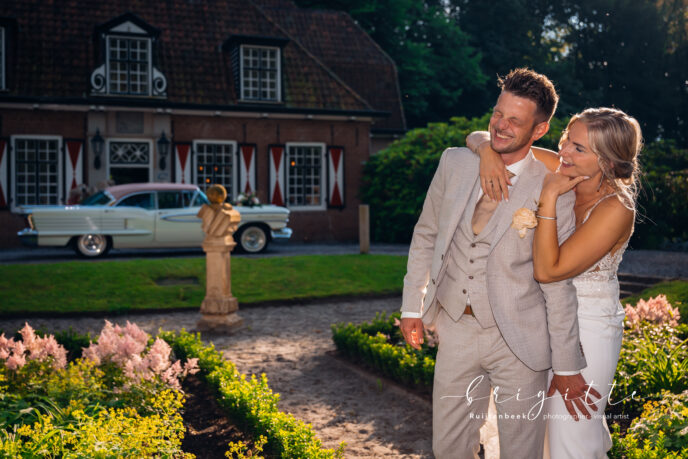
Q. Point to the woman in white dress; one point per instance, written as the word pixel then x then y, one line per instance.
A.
pixel 598 159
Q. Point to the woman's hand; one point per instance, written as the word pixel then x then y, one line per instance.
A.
pixel 494 178
pixel 556 184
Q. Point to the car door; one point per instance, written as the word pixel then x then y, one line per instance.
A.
pixel 176 223
pixel 132 220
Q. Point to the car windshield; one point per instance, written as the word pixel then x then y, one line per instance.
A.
pixel 101 198
pixel 201 199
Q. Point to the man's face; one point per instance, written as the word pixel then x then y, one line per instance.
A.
pixel 513 124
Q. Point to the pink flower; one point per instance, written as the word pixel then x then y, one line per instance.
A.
pixel 655 310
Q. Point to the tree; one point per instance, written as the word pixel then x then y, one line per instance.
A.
pixel 435 62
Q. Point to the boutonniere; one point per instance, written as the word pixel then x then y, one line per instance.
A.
pixel 523 220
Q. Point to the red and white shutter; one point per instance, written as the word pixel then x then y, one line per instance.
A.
pixel 182 163
pixel 276 158
pixel 74 165
pixel 335 177
pixel 4 180
pixel 247 168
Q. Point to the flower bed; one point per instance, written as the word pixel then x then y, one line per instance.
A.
pixel 652 374
pixel 251 402
pixel 121 399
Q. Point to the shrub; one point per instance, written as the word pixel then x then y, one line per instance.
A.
pixel 380 345
pixel 251 402
pixel 659 432
pixel 655 310
pixel 51 408
pixel 652 360
pixel 663 209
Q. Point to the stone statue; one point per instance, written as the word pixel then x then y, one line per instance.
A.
pixel 219 221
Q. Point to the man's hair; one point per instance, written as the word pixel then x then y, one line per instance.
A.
pixel 528 84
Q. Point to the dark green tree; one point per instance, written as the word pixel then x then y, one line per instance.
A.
pixel 435 61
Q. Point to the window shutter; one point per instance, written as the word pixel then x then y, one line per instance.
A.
pixel 182 163
pixel 276 158
pixel 73 166
pixel 4 171
pixel 247 168
pixel 335 177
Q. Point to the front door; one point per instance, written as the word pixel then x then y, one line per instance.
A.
pixel 130 162
pixel 176 223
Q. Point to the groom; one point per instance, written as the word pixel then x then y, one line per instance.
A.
pixel 471 274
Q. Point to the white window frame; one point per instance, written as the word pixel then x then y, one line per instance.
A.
pixel 278 78
pixel 149 43
pixel 323 175
pixel 60 170
pixel 125 140
pixel 235 164
pixel 3 59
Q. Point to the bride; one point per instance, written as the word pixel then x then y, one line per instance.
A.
pixel 598 158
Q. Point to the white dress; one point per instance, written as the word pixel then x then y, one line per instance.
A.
pixel 600 320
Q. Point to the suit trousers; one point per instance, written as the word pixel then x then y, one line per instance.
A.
pixel 472 361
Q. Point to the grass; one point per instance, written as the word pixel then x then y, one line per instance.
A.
pixel 119 286
pixel 675 291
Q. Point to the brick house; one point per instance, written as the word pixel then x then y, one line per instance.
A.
pixel 258 95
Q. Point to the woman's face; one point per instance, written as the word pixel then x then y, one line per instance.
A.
pixel 577 158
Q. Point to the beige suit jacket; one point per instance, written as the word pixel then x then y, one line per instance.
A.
pixel 538 321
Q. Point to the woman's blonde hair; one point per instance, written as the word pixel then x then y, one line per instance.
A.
pixel 616 139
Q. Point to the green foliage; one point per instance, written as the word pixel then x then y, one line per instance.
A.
pixel 659 432
pixel 434 59
pixel 80 411
pixel 119 286
pixel 251 401
pixel 663 208
pixel 651 361
pixel 396 180
pixel 380 345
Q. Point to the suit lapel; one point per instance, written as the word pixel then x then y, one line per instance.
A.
pixel 520 194
pixel 462 189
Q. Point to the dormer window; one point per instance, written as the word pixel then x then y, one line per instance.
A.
pixel 129 64
pixel 260 73
pixel 127 68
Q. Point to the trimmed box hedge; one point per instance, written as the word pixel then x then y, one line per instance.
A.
pixel 251 402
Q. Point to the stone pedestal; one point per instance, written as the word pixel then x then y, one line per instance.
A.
pixel 219 308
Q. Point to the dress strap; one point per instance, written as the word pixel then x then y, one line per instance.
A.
pixel 587 214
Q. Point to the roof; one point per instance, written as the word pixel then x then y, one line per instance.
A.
pixel 57 48
pixel 117 191
pixel 364 66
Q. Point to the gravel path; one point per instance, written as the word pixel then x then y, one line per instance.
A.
pixel 290 344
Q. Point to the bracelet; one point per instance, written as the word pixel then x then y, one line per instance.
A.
pixel 545 218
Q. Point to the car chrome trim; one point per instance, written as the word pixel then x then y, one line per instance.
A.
pixel 284 233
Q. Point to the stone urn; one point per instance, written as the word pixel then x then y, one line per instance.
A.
pixel 219 222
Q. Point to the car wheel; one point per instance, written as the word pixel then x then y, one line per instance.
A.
pixel 92 245
pixel 252 239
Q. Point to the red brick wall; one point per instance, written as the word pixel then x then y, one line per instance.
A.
pixel 330 224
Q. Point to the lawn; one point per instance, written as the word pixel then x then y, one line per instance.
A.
pixel 118 286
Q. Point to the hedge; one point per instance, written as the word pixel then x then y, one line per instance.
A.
pixel 653 362
pixel 250 401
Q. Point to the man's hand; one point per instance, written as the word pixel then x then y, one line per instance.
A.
pixel 412 329
pixel 575 392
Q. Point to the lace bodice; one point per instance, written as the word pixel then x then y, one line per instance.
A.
pixel 606 268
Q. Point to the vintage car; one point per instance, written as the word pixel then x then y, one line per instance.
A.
pixel 144 215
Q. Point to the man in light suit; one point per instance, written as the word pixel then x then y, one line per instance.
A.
pixel 471 274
